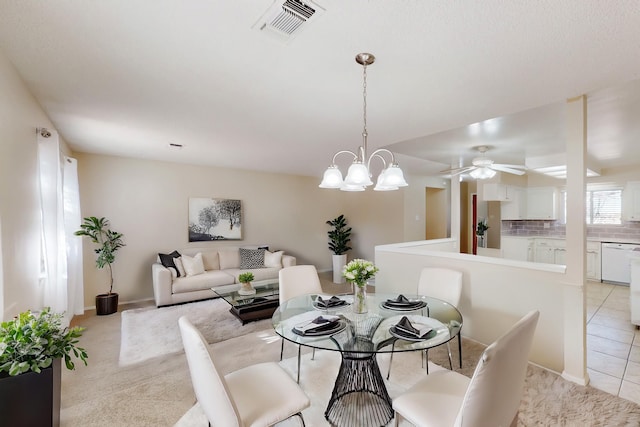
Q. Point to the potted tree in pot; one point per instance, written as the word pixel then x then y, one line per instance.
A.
pixel 108 242
pixel 339 239
pixel 31 349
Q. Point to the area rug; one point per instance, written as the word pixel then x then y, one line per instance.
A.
pixel 548 399
pixel 152 332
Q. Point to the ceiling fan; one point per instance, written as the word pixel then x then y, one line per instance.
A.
pixel 484 168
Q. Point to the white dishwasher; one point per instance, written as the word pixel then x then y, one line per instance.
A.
pixel 616 265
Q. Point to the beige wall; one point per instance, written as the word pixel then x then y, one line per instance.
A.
pixel 20 115
pixel 148 202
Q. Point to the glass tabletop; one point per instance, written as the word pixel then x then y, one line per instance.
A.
pixel 266 290
pixel 370 332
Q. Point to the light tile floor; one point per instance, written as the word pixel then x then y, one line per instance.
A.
pixel 613 343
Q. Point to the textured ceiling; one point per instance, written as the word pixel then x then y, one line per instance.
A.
pixel 128 77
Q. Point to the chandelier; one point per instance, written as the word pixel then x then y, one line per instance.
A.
pixel 359 174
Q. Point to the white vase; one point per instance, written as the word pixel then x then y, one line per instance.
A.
pixel 339 261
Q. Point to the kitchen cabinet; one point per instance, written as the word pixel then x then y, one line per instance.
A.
pixel 541 203
pixel 517 248
pixel 516 207
pixel 494 192
pixel 593 260
pixel 545 251
pixel 631 201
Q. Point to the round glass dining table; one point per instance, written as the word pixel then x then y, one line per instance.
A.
pixel 359 396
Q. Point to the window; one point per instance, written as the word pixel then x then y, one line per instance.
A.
pixel 604 206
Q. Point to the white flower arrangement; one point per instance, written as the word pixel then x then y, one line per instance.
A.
pixel 358 271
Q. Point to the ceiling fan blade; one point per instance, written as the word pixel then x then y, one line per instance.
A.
pixel 511 166
pixel 457 171
pixel 503 168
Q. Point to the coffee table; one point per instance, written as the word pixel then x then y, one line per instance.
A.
pixel 248 308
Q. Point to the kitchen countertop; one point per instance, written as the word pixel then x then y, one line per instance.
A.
pixel 589 239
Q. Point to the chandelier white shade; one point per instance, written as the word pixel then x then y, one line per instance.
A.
pixel 482 173
pixel 359 174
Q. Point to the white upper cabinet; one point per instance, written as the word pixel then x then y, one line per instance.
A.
pixel 516 206
pixel 542 202
pixel 494 192
pixel 631 201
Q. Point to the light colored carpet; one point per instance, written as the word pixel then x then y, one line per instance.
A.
pixel 152 332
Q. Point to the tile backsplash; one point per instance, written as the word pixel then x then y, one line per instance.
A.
pixel 628 230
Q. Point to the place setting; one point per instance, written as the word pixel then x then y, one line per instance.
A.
pixel 402 303
pixel 326 303
pixel 412 331
pixel 320 326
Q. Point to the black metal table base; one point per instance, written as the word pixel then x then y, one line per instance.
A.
pixel 359 397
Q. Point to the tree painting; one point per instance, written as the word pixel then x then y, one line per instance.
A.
pixel 214 219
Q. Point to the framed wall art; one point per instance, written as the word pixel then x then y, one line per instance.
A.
pixel 214 219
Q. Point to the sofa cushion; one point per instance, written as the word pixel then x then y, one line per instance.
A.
pixel 229 259
pixel 167 260
pixel 211 260
pixel 251 258
pixel 208 279
pixel 193 265
pixel 273 259
pixel 179 267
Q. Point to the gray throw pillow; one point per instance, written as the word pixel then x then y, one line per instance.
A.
pixel 251 258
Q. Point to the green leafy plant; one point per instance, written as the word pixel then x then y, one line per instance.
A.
pixel 31 342
pixel 339 237
pixel 481 227
pixel 246 277
pixel 358 271
pixel 108 242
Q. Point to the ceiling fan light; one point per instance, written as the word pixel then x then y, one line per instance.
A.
pixel 332 178
pixel 358 174
pixel 482 173
pixel 393 176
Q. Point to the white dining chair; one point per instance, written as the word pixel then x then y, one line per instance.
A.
pixel 244 397
pixel 295 281
pixel 490 398
pixel 444 284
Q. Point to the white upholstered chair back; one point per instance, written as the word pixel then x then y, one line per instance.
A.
pixel 298 280
pixel 494 393
pixel 441 283
pixel 209 385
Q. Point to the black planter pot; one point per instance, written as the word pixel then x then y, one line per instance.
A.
pixel 106 304
pixel 31 399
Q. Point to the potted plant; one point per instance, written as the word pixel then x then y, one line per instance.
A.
pixel 481 228
pixel 246 288
pixel 339 239
pixel 31 349
pixel 108 242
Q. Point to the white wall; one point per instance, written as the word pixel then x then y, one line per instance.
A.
pixel 148 202
pixel 496 293
pixel 20 115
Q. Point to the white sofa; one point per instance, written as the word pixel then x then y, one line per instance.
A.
pixel 220 266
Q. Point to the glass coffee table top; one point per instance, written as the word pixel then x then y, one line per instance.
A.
pixel 260 305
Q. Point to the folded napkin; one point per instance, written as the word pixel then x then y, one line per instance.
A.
pixel 318 324
pixel 334 301
pixel 401 301
pixel 404 326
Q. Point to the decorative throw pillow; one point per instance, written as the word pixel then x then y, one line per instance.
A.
pixel 168 260
pixel 251 258
pixel 193 265
pixel 179 267
pixel 211 261
pixel 273 259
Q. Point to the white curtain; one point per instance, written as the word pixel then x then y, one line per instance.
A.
pixel 60 207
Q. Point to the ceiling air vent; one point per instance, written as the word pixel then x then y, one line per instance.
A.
pixel 286 18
